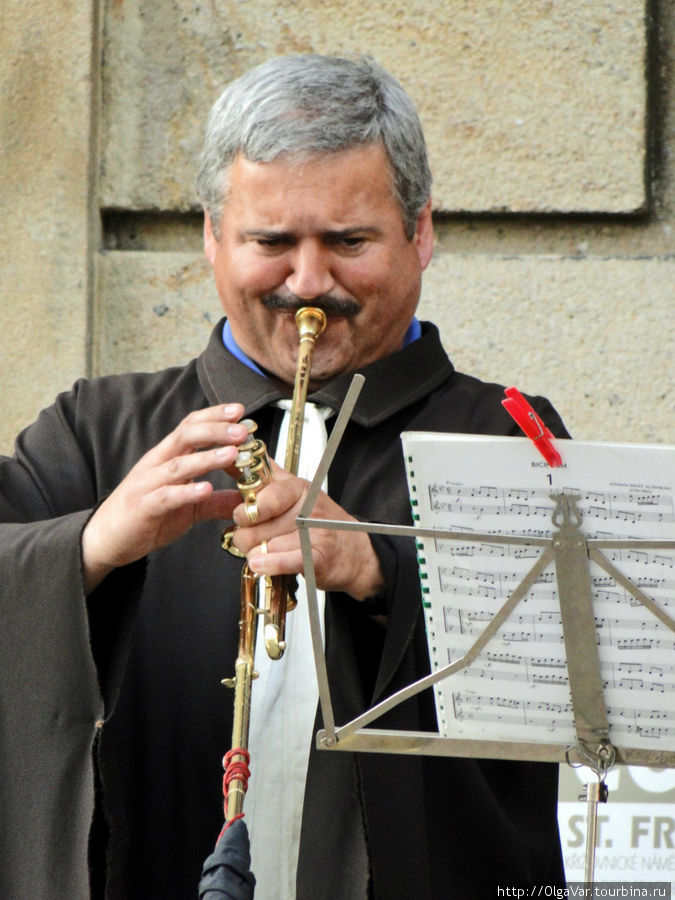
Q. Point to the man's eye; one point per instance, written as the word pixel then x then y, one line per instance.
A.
pixel 352 243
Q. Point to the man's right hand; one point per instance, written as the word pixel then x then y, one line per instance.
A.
pixel 159 500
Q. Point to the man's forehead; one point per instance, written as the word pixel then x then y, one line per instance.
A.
pixel 299 157
pixel 347 174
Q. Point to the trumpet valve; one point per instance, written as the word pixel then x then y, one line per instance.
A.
pixel 245 462
pixel 275 648
pixel 255 470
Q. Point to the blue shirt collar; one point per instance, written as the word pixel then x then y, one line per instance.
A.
pixel 235 349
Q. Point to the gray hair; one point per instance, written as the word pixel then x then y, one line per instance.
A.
pixel 310 104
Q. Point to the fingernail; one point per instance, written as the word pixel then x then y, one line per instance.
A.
pixel 231 409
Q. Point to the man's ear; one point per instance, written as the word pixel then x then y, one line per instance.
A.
pixel 424 235
pixel 210 240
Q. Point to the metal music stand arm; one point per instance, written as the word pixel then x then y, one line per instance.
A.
pixel 591 724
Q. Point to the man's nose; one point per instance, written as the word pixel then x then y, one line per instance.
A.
pixel 311 273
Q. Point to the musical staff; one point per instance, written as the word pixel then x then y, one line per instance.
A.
pixel 480 501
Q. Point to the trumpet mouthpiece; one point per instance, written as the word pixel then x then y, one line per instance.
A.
pixel 311 321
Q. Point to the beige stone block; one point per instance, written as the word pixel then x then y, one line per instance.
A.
pixel 597 336
pixel 528 106
pixel 45 190
pixel 153 310
pixel 40 356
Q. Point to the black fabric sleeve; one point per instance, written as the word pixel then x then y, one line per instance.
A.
pixel 50 705
pixel 51 702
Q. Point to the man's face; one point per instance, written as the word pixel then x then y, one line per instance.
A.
pixel 325 231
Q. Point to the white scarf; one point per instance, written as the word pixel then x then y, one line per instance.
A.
pixel 283 708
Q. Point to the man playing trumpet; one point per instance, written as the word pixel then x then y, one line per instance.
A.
pixel 316 191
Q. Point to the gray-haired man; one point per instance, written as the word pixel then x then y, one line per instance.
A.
pixel 316 189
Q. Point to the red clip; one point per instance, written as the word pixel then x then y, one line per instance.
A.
pixel 523 414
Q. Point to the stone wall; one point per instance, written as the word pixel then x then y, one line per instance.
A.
pixel 552 143
pixel 49 234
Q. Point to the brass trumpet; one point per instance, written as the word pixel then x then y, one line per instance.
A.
pixel 278 590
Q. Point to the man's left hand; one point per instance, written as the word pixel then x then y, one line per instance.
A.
pixel 343 560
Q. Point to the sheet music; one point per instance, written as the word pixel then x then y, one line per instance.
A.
pixel 517 689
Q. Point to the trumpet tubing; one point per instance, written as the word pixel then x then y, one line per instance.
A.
pixel 311 322
pixel 279 590
pixel 236 767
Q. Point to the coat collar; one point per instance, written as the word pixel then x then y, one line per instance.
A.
pixel 391 384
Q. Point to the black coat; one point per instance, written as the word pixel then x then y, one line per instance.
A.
pixel 146 653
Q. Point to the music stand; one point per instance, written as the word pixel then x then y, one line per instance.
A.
pixel 570 551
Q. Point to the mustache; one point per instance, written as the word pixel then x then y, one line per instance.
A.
pixel 331 305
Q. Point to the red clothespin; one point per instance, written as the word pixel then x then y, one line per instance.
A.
pixel 523 414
